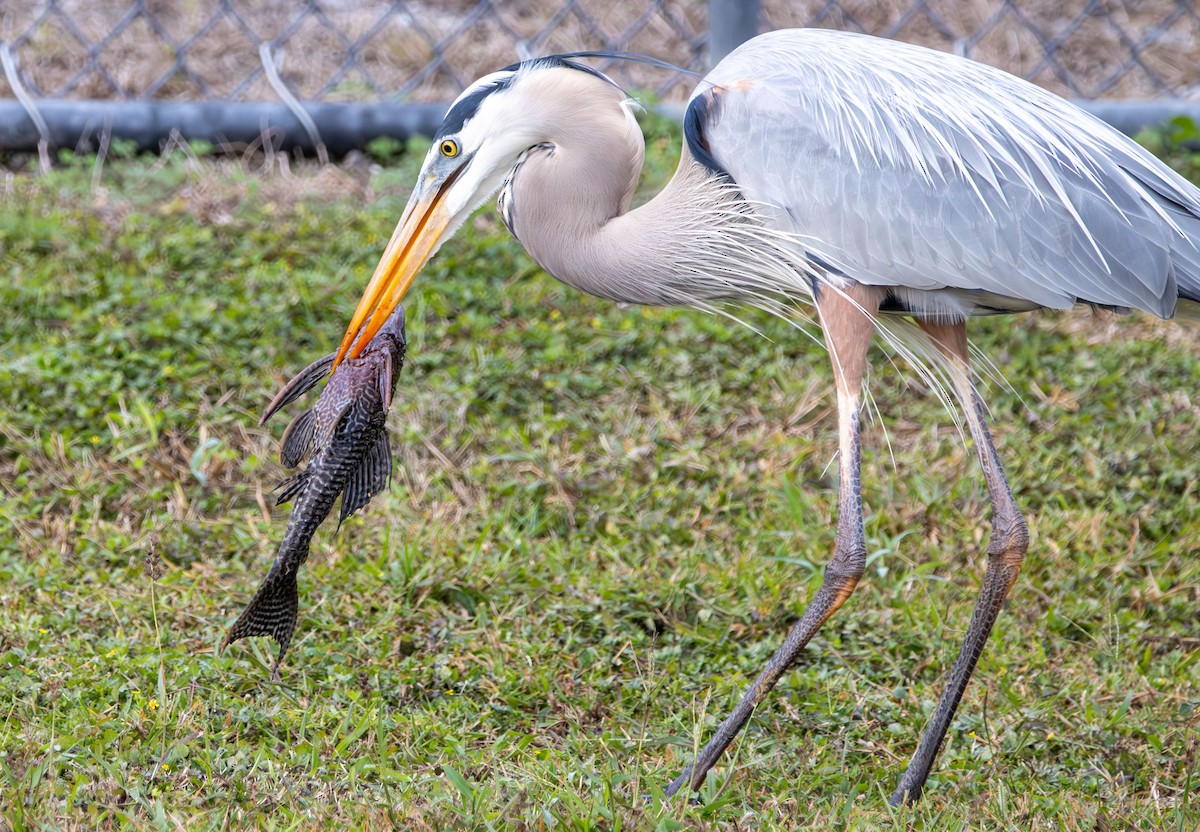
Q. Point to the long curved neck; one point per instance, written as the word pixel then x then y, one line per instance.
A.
pixel 567 202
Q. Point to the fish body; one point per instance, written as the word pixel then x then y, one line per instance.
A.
pixel 344 436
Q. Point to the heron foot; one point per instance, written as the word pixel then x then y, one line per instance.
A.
pixel 906 794
pixel 680 781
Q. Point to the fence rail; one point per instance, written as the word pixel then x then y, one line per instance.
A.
pixel 404 51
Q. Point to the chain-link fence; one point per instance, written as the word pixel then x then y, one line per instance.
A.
pixel 341 50
pixel 409 51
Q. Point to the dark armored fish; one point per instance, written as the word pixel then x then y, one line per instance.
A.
pixel 345 438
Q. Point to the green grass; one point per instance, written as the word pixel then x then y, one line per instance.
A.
pixel 603 521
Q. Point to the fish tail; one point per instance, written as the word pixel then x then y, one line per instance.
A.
pixel 271 612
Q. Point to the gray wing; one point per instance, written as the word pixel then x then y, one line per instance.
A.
pixel 905 167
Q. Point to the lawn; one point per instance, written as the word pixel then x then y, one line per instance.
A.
pixel 602 522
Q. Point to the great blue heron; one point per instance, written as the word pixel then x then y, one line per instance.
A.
pixel 867 177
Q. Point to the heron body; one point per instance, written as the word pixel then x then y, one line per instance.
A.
pixel 874 180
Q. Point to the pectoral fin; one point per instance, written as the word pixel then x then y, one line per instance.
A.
pixel 370 478
pixel 304 381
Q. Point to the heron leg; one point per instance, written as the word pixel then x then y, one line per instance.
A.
pixel 847 321
pixel 1006 550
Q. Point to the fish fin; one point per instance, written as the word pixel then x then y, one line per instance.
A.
pixel 368 479
pixel 356 494
pixel 304 381
pixel 272 611
pixel 297 439
pixel 320 441
pixel 380 459
pixel 385 382
pixel 291 486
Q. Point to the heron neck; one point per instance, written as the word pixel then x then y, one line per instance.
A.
pixel 569 207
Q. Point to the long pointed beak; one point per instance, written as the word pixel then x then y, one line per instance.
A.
pixel 416 236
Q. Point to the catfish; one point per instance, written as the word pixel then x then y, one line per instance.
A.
pixel 345 439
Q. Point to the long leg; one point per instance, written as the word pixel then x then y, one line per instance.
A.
pixel 847 323
pixel 1006 550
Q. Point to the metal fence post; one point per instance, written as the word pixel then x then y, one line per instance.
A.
pixel 730 24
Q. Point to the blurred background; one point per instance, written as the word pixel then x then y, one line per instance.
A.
pixel 277 53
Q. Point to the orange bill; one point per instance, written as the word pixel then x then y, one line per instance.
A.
pixel 414 241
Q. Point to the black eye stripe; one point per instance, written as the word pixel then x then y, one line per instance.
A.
pixel 458 115
pixel 464 110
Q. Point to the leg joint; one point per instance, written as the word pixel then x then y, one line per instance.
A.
pixel 843 588
pixel 844 572
pixel 1010 541
pixel 848 564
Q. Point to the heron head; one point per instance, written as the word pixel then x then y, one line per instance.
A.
pixel 482 138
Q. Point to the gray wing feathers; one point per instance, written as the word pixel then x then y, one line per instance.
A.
pixel 906 167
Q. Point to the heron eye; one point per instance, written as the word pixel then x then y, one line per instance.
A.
pixel 449 148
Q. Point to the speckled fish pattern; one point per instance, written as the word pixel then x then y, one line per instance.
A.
pixel 344 436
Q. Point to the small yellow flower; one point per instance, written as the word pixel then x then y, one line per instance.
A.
pixel 110 653
pixel 1050 735
pixel 168 370
pixel 152 704
pixel 43 630
pixel 555 314
pixel 95 440
pixel 166 767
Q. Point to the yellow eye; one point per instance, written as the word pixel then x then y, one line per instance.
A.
pixel 449 148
